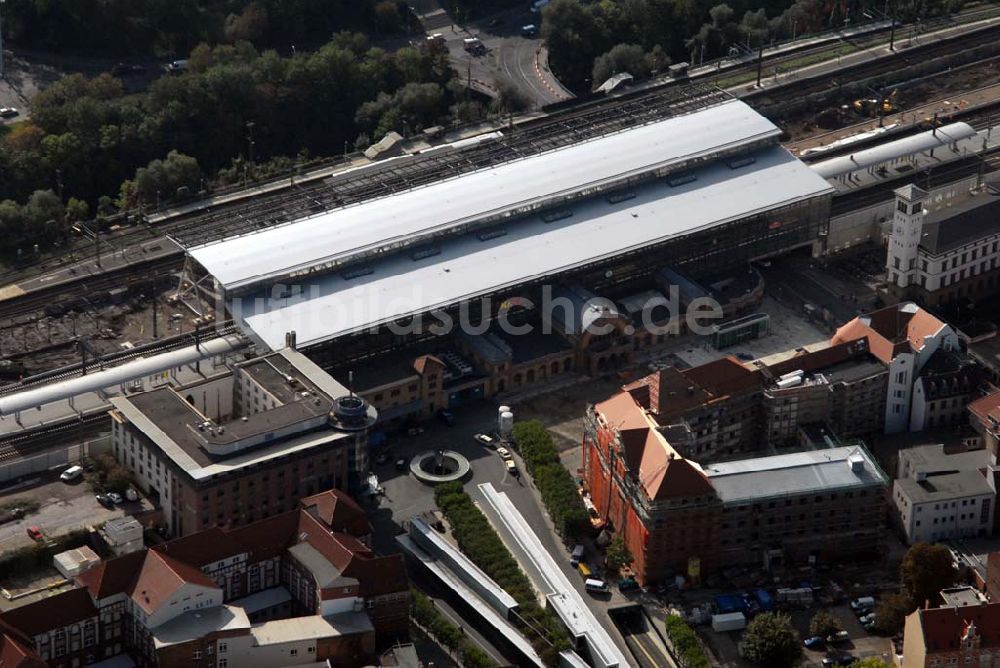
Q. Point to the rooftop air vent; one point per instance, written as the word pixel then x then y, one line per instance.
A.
pixel 615 198
pixel 357 272
pixel 553 216
pixel 680 180
pixel 424 253
pixel 492 234
pixel 741 162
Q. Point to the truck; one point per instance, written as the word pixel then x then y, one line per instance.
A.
pixel 730 621
pixel 576 556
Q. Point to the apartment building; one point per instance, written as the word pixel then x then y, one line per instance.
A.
pixel 939 252
pixel 294 589
pixel 942 496
pixel 243 445
pixel 952 635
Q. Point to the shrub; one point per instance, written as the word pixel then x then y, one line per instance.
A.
pixel 687 649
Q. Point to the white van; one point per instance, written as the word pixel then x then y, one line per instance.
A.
pixel 71 474
pixel 863 604
pixel 596 586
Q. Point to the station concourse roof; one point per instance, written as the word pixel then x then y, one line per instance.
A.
pixel 329 238
pixel 468 267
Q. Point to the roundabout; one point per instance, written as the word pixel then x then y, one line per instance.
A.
pixel 437 466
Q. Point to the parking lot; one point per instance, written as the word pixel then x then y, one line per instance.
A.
pixel 63 507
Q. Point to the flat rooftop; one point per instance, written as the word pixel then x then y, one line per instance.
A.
pixel 468 266
pixel 166 417
pixel 196 624
pixel 933 457
pixel 939 486
pixel 313 627
pixel 792 474
pixel 337 235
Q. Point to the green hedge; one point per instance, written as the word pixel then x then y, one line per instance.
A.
pixel 555 484
pixel 477 539
pixel 446 633
pixel 687 649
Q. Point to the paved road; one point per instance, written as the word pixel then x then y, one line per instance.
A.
pixel 509 58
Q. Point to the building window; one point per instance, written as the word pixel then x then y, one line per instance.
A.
pixel 293 652
pixel 197 654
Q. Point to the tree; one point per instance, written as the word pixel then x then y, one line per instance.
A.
pixel 685 642
pixel 628 58
pixel 891 612
pixel 770 640
pixel 926 570
pixel 824 624
pixel 618 556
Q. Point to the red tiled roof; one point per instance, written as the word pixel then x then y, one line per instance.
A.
pixel 376 575
pixel 15 655
pixel 891 330
pixel 69 607
pixel 112 576
pixel 205 547
pixel 339 511
pixel 420 364
pixel 726 376
pixel 160 576
pixel 942 628
pixel 987 408
pixel 269 537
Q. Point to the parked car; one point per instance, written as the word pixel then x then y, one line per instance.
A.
pixel 511 467
pixel 382 458
pixel 840 660
pixel 400 464
pixel 116 498
pixel 447 417
pixel 838 637
pixel 104 500
pixel 414 430
pixel 529 30
pixel 576 556
pixel 815 642
pixel 71 474
pixel 504 453
pixel 35 534
pixel 131 494
pixel 867 619
pixel 486 439
pixel 595 586
pixel 8 112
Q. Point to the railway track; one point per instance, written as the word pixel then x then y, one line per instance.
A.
pixel 27 443
pixel 869 70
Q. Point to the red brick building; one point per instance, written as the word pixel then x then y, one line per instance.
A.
pixel 679 516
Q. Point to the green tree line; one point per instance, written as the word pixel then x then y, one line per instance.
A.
pixel 555 484
pixel 477 539
pixel 89 141
pixel 173 27
pixel 589 41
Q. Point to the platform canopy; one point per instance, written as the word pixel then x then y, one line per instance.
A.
pixel 386 223
pixel 894 150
